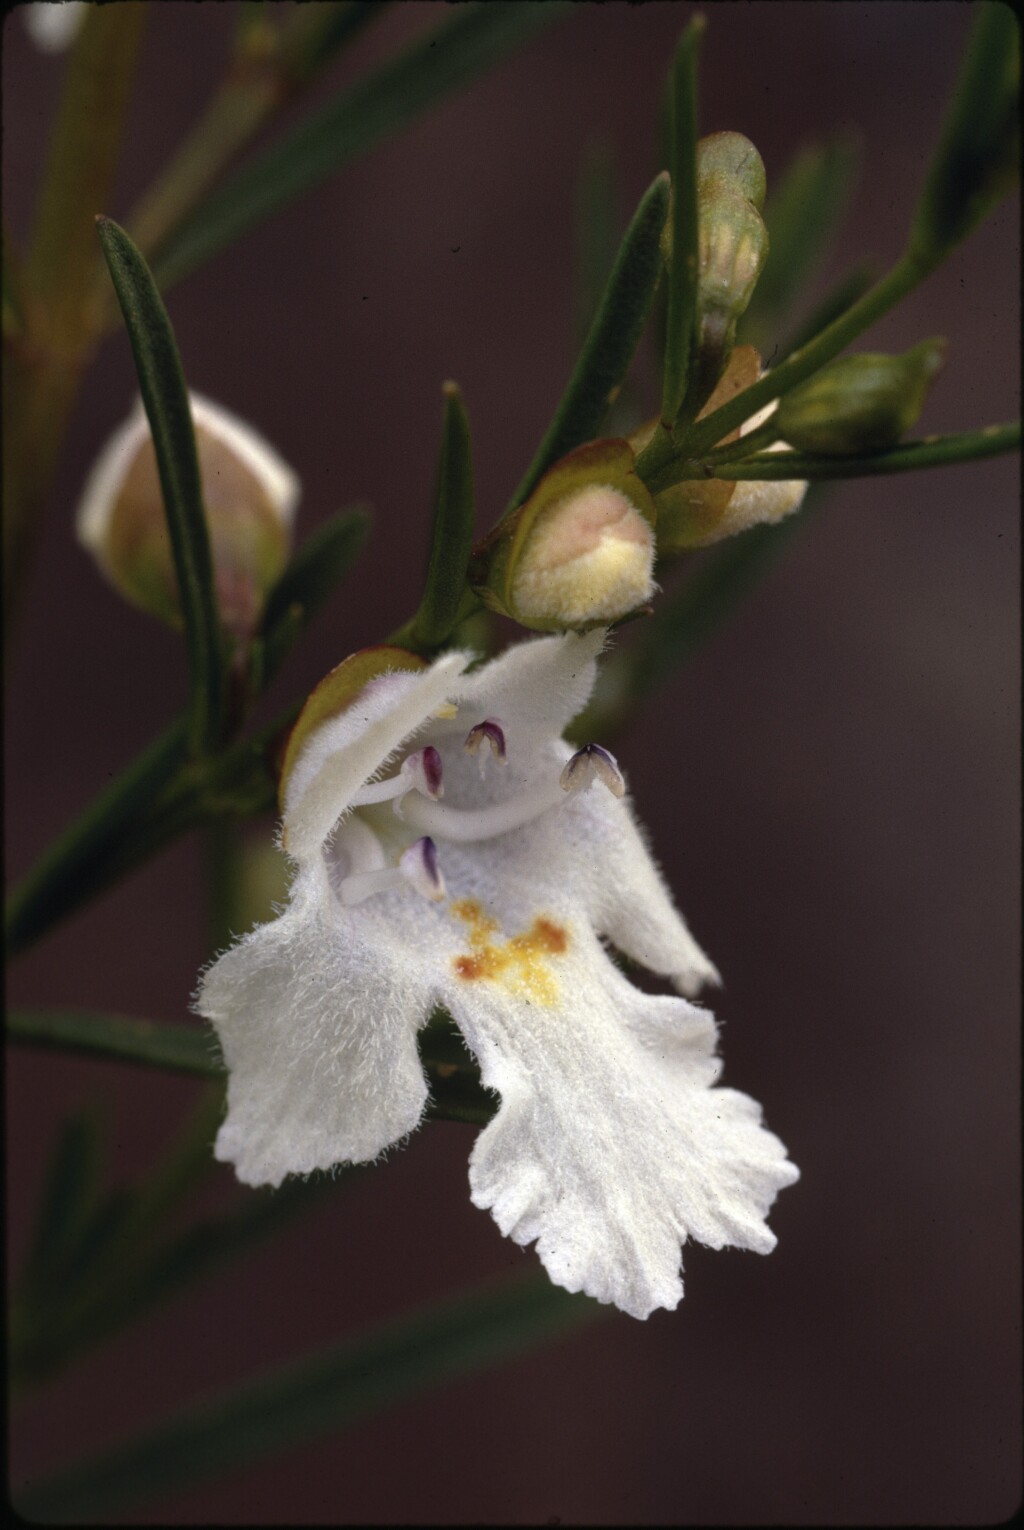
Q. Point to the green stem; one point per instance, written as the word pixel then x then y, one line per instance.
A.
pixel 755 441
pixel 930 451
pixel 657 465
pixel 905 275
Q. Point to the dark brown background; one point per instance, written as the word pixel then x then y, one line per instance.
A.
pixel 831 786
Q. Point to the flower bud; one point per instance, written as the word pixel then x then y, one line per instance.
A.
pixel 580 551
pixel 699 511
pixel 732 248
pixel 250 495
pixel 860 403
pixel 734 158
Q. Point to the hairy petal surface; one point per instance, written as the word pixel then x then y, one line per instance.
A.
pixel 317 1015
pixel 610 1148
pixel 612 1144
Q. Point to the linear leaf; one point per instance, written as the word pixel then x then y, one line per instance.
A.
pixel 69 1199
pixel 77 862
pixel 456 1092
pixel 453 528
pixel 613 338
pixel 683 262
pixel 269 67
pixel 313 1397
pixel 162 384
pixel 180 1048
pixel 908 457
pixel 978 156
pixel 470 40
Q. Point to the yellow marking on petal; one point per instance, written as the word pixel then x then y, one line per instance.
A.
pixel 445 712
pixel 521 963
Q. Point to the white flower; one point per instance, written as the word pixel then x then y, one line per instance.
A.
pixel 610 1146
pixel 53 25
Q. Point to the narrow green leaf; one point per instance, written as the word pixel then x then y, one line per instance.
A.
pixel 273 60
pixel 456 1092
pixel 78 861
pixel 473 38
pixel 978 156
pixel 180 1048
pixel 613 338
pixel 162 384
pixel 683 261
pixel 315 33
pixel 313 1397
pixel 930 451
pixel 313 575
pixel 452 540
pixel 68 1203
pixel 802 216
pixel 186 1258
pixel 54 1319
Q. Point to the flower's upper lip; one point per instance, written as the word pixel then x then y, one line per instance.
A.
pixel 349 750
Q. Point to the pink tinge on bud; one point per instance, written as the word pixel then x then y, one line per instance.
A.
pixel 588 558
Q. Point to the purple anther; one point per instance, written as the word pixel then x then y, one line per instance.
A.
pixel 490 732
pixel 432 773
pixel 592 763
pixel 424 771
pixel 419 866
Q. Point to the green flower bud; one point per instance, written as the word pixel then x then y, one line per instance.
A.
pixel 860 404
pixel 250 495
pixel 579 553
pixel 733 247
pixel 735 159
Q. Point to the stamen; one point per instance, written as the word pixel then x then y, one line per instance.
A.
pixel 465 825
pixel 420 772
pixel 491 733
pixel 592 763
pixel 417 868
